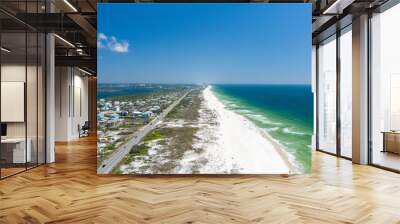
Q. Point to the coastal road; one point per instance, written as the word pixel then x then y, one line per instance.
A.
pixel 108 164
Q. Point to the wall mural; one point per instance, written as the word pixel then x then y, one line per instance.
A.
pixel 204 89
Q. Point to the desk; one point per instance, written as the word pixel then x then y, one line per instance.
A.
pixel 13 150
pixel 391 141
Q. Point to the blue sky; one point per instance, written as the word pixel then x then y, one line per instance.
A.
pixel 212 43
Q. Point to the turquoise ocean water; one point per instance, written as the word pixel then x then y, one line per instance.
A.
pixel 284 111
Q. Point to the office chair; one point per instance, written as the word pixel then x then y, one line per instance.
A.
pixel 84 130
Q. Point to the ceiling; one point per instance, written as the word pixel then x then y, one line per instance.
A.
pixel 75 22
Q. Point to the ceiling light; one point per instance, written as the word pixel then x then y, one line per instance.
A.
pixel 84 71
pixel 5 50
pixel 70 5
pixel 64 40
pixel 79 51
pixel 338 6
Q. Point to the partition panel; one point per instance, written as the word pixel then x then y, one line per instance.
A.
pixel 15 151
pixel 385 89
pixel 346 92
pixel 327 95
pixel 23 89
pixel 32 97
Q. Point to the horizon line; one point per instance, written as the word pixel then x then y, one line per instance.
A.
pixel 155 83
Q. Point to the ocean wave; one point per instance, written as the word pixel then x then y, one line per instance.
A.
pixel 288 131
pixel 243 111
pixel 273 129
pixel 262 119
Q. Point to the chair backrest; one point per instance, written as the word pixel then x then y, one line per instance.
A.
pixel 86 125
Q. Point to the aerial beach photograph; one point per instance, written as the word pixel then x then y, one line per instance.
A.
pixel 203 89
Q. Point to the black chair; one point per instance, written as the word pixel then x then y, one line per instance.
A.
pixel 84 130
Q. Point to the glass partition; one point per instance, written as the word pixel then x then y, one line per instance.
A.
pixel 31 98
pixel 385 89
pixel 346 92
pixel 13 114
pixel 41 97
pixel 22 88
pixel 327 95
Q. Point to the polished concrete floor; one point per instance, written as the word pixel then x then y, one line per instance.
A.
pixel 70 191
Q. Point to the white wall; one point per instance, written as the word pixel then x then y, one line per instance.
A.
pixel 81 114
pixel 17 73
pixel 62 82
pixel 71 87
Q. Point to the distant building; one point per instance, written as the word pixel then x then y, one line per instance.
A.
pixel 108 105
pixel 112 123
pixel 147 115
pixel 100 117
pixel 136 114
pixel 123 113
pixel 114 116
pixel 155 109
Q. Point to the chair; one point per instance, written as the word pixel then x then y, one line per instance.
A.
pixel 84 130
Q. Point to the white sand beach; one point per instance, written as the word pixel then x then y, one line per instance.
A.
pixel 234 144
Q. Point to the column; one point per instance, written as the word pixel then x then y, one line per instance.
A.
pixel 360 90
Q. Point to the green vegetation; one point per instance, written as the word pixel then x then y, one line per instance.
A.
pixel 101 128
pixel 137 150
pixel 126 126
pixel 154 135
pixel 188 108
pixel 174 141
pixel 140 150
pixel 125 133
pixel 142 96
pixel 116 170
pixel 109 147
pixel 180 141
